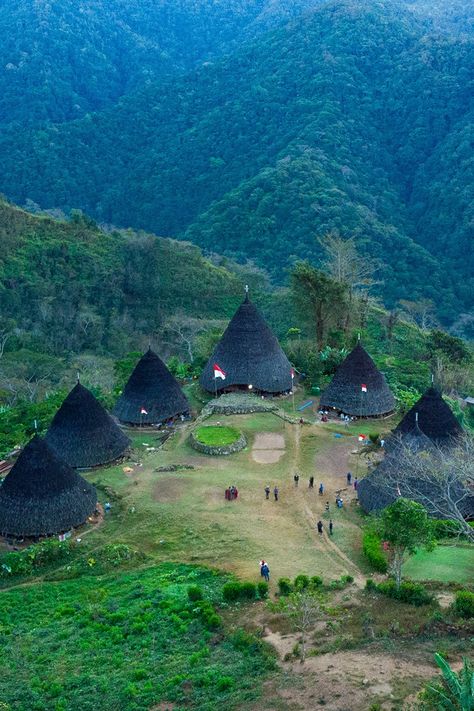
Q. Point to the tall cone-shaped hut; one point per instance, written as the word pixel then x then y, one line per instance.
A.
pixel 248 354
pixel 358 388
pixel 152 395
pixel 42 495
pixel 435 419
pixel 393 478
pixel 83 433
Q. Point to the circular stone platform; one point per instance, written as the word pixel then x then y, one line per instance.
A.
pixel 217 440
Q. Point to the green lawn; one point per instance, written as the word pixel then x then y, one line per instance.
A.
pixel 216 435
pixel 446 563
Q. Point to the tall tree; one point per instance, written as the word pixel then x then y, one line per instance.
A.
pixel 320 300
pixel 405 526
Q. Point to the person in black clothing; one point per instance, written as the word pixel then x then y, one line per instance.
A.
pixel 296 479
pixel 311 482
pixel 320 527
pixel 330 526
pixel 349 477
pixel 275 493
pixel 267 492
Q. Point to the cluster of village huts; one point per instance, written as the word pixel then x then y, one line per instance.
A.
pixel 44 494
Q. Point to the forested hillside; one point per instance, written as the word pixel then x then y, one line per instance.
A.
pixel 351 117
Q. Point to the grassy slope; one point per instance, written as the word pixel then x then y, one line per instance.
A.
pixel 217 436
pixel 122 643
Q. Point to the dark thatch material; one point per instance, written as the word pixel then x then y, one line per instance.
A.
pixel 377 490
pixel 435 420
pixel 249 354
pixel 151 387
pixel 42 495
pixel 344 393
pixel 83 433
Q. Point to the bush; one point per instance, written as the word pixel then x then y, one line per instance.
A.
pixel 239 591
pixel 231 592
pixel 195 593
pixel 372 547
pixel 284 586
pixel 248 591
pixel 316 582
pixel 301 582
pixel 370 584
pixel 463 605
pixel 262 588
pixel 224 683
pixel 411 593
pixel 445 529
pixel 348 579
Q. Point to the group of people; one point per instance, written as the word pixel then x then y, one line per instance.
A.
pixel 320 527
pixel 264 571
pixel 231 493
pixel 276 492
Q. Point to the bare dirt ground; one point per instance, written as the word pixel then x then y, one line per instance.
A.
pixel 346 680
pixel 268 448
pixel 169 489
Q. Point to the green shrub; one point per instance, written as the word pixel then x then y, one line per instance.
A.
pixel 411 593
pixel 262 588
pixel 348 579
pixel 248 591
pixel 316 582
pixel 195 593
pixel 370 584
pixel 445 529
pixel 284 586
pixel 301 582
pixel 463 605
pixel 224 683
pixel 372 548
pixel 231 592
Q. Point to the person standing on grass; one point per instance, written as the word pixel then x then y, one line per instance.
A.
pixel 265 572
pixel 311 482
pixel 327 506
pixel 267 492
pixel 321 489
pixel 330 526
pixel 320 527
pixel 349 478
pixel 296 479
pixel 356 482
pixel 275 493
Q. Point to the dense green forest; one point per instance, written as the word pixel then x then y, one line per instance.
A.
pixel 252 139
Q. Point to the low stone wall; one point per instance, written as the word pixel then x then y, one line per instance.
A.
pixel 218 451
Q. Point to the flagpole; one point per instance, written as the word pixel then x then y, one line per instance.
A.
pixel 215 385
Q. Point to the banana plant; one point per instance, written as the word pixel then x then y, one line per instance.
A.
pixel 458 692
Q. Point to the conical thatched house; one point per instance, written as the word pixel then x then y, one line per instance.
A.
pixel 358 388
pixel 82 432
pixel 392 478
pixel 435 420
pixel 248 354
pixel 152 395
pixel 42 495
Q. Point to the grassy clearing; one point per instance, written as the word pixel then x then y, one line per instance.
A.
pixel 127 643
pixel 446 563
pixel 217 435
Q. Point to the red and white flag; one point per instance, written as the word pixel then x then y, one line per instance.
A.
pixel 292 373
pixel 143 411
pixel 362 438
pixel 364 387
pixel 218 372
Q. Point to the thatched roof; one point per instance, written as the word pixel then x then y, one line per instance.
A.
pixel 391 479
pixel 435 420
pixel 345 390
pixel 42 495
pixel 82 432
pixel 249 354
pixel 151 387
